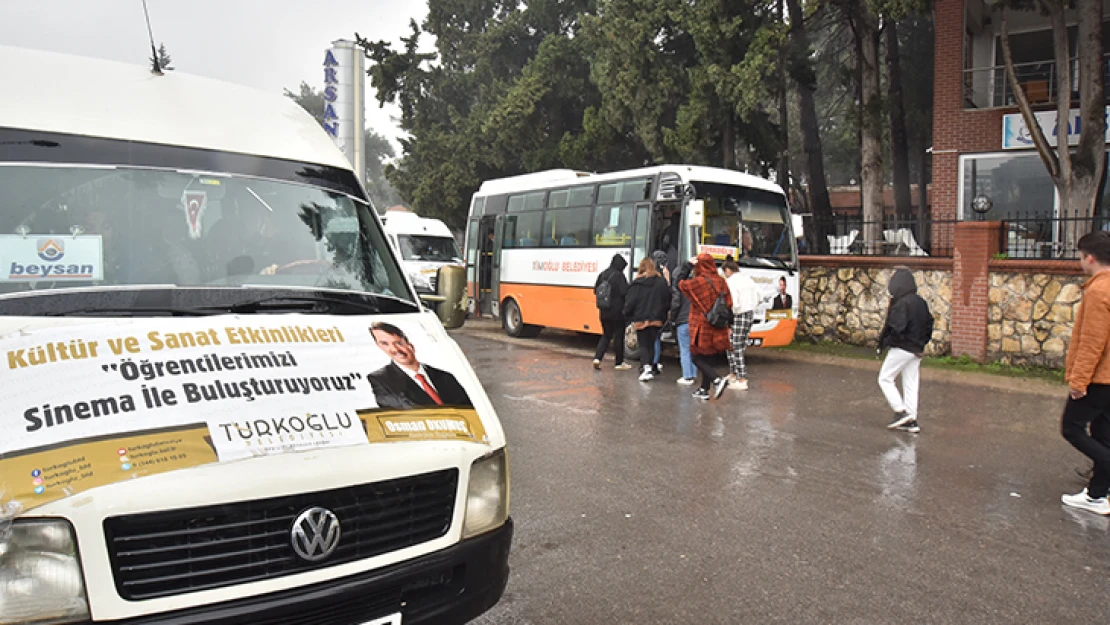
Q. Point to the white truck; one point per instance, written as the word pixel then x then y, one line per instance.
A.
pixel 424 246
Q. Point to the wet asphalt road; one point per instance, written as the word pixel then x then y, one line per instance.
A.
pixel 788 503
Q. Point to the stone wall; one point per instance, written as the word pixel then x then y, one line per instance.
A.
pixel 1030 317
pixel 848 304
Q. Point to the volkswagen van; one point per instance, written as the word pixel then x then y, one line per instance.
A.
pixel 425 245
pixel 221 401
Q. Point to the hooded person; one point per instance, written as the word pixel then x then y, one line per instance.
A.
pixel 646 308
pixel 680 319
pixel 610 290
pixel 661 266
pixel 907 330
pixel 703 289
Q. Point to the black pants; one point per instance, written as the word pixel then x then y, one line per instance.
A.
pixel 708 371
pixel 646 338
pixel 611 331
pixel 1086 425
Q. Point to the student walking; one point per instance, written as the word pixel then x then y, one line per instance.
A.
pixel 610 290
pixel 745 297
pixel 703 289
pixel 1086 420
pixel 646 307
pixel 680 317
pixel 908 328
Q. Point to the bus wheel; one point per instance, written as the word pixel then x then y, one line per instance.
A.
pixel 513 322
pixel 632 343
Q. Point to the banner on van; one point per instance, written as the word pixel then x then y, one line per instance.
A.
pixel 89 405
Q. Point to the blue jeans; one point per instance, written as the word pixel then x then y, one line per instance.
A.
pixel 682 332
pixel 658 348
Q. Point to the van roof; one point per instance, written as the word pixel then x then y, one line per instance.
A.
pixel 399 222
pixel 54 92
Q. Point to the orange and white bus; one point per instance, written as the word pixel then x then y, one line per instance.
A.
pixel 535 243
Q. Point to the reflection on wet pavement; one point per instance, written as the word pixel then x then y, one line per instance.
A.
pixel 790 502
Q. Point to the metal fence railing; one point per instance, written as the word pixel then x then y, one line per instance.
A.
pixel 1047 235
pixel 851 235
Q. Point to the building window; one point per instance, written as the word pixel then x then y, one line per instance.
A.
pixel 1021 194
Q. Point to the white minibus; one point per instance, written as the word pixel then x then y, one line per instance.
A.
pixel 222 401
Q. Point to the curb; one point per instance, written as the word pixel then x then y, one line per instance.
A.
pixel 491 330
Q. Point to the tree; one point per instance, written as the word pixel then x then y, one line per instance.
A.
pixel 162 62
pixel 377 148
pixel 805 80
pixel 1078 177
pixel 896 115
pixel 865 27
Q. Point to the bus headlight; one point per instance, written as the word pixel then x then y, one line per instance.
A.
pixel 40 576
pixel 487 494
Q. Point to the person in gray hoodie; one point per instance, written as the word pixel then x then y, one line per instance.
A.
pixel 908 328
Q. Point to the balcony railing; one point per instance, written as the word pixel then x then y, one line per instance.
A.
pixel 987 87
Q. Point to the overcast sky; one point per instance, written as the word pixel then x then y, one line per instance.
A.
pixel 265 44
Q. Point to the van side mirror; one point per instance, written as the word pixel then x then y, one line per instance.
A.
pixel 797 223
pixel 449 302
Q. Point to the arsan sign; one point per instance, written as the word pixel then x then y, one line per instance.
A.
pixel 1016 135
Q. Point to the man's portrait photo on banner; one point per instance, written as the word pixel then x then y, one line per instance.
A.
pixel 407 383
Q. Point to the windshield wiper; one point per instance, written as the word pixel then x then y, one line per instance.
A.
pixel 356 304
pixel 131 311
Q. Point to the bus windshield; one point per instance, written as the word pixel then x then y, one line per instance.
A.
pixel 67 227
pixel 428 248
pixel 753 222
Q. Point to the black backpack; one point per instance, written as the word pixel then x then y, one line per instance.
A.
pixel 720 315
pixel 604 294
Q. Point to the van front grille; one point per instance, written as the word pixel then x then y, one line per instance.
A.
pixel 161 554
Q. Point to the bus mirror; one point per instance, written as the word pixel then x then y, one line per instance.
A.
pixel 450 299
pixel 695 213
pixel 798 225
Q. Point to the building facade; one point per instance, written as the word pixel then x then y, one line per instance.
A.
pixel 981 147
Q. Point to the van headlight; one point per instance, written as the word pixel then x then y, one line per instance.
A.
pixel 420 281
pixel 40 576
pixel 487 494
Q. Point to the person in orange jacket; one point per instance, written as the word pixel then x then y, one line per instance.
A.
pixel 1086 420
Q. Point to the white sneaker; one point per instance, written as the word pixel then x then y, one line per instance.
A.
pixel 719 386
pixel 597 363
pixel 742 385
pixel 686 381
pixel 646 375
pixel 1083 502
pixel 624 366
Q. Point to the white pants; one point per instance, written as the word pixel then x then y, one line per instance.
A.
pixel 899 361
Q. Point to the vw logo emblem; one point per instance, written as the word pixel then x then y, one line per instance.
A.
pixel 315 534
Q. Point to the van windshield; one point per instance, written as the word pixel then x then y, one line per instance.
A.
pixel 428 248
pixel 80 227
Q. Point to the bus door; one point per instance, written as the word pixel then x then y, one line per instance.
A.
pixel 643 234
pixel 489 264
pixel 486 252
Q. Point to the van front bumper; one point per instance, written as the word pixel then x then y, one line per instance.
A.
pixel 451 586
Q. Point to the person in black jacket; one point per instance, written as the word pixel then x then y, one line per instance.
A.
pixel 680 318
pixel 612 318
pixel 908 328
pixel 647 305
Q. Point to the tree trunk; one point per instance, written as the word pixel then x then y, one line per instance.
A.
pixel 784 118
pixel 728 141
pixel 899 144
pixel 1089 165
pixel 820 206
pixel 871 128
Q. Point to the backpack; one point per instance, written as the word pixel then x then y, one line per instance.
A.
pixel 720 315
pixel 604 294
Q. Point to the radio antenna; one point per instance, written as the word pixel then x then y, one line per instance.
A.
pixel 157 67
